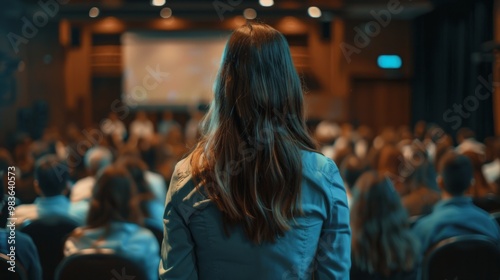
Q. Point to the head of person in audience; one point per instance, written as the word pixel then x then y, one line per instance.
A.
pixel 351 168
pixel 495 149
pixel 418 171
pixel 255 125
pixel 137 168
pixel 167 116
pixel 480 187
pixel 455 174
pixel 141 116
pixel 112 116
pixel 465 133
pixel 419 130
pixel 51 176
pixel 97 158
pixel 381 238
pixel 113 199
pixel 404 134
pixel 391 163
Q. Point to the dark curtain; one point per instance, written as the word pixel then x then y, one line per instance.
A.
pixel 450 88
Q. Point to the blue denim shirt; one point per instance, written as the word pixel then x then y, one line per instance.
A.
pixel 454 217
pixel 196 247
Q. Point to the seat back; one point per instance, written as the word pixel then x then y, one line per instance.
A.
pixel 19 272
pixel 489 203
pixel 49 234
pixel 463 257
pixel 99 266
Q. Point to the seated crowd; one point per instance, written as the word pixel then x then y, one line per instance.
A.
pixel 407 190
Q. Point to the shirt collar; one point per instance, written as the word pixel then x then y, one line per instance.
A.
pixel 457 200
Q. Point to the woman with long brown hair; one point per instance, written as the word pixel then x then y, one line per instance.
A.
pixel 113 223
pixel 382 245
pixel 254 200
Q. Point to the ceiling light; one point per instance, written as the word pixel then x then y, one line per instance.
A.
pixel 266 3
pixel 314 12
pixel 94 12
pixel 249 13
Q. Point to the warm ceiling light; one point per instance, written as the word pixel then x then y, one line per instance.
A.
pixel 249 13
pixel 166 12
pixel 158 3
pixel 266 3
pixel 314 12
pixel 94 12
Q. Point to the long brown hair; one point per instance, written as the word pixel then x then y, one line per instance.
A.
pixel 137 169
pixel 381 238
pixel 248 160
pixel 113 199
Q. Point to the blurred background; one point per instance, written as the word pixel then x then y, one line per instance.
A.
pixel 390 85
pixel 374 63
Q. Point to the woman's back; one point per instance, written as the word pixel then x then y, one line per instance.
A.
pixel 197 247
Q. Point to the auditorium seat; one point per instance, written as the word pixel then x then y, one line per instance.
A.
pixel 489 203
pixel 18 274
pixel 463 257
pixel 49 234
pixel 99 266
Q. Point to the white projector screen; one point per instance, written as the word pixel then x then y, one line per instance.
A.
pixel 174 69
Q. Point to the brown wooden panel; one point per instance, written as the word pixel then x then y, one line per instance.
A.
pixel 379 103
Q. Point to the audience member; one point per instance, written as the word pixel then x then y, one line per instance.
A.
pixel 423 191
pixel 467 142
pixel 491 170
pixel 113 223
pixel 25 250
pixel 390 162
pixel 114 127
pixel 420 183
pixel 167 123
pixel 350 170
pixel 382 245
pixel 193 126
pixel 95 159
pixel 455 214
pixel 141 127
pixel 480 187
pixel 152 209
pixel 51 184
pixel 254 199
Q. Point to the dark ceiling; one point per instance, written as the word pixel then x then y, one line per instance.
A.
pixel 207 9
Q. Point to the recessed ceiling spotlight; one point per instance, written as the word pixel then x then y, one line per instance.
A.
pixel 314 12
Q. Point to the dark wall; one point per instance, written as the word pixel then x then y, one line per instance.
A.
pixel 450 88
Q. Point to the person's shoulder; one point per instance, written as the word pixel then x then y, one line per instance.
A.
pixel 25 209
pixel 182 171
pixel 25 212
pixel 89 180
pixel 316 162
pixel 181 184
pixel 23 238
